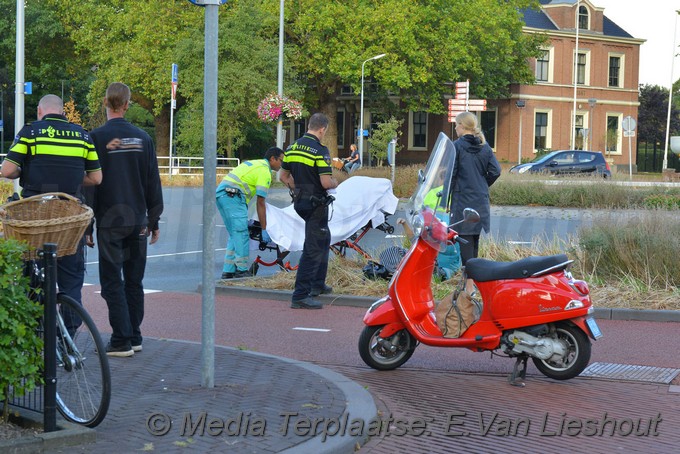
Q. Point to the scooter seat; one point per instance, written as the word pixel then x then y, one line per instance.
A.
pixel 482 270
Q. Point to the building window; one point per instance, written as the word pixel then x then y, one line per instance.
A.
pixel 299 129
pixel 581 68
pixel 541 131
pixel 340 123
pixel 488 125
pixel 579 132
pixel 583 18
pixel 418 130
pixel 615 71
pixel 613 135
pixel 543 66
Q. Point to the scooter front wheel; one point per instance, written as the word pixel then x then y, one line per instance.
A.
pixel 578 354
pixel 385 353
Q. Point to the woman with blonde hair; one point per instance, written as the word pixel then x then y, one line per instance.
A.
pixel 475 170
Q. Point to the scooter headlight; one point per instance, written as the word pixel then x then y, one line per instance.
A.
pixel 417 224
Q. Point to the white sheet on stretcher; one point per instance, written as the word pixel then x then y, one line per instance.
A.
pixel 358 200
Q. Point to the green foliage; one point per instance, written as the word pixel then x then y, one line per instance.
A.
pixel 644 248
pixel 20 344
pixel 581 193
pixel 381 137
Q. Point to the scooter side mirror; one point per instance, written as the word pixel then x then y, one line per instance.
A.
pixel 470 215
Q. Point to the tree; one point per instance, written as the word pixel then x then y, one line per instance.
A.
pixel 133 42
pixel 382 136
pixel 248 70
pixel 653 114
pixel 50 62
pixel 428 43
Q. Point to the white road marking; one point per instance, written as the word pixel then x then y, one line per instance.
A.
pixel 395 236
pixel 520 242
pixel 168 255
pixel 319 330
pixel 146 291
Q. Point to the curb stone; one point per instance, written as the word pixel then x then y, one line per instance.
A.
pixel 362 301
pixel 68 434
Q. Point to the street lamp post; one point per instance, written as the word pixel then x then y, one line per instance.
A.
pixel 361 110
pixel 591 103
pixel 520 105
pixel 670 98
pixel 279 123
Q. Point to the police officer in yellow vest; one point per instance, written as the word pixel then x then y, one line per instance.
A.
pixel 55 155
pixel 307 171
pixel 250 179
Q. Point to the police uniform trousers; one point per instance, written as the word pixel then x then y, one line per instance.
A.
pixel 234 212
pixel 122 261
pixel 70 278
pixel 313 264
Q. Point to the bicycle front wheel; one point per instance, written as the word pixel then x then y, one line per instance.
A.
pixel 83 375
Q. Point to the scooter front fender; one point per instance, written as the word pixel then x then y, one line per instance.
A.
pixel 382 312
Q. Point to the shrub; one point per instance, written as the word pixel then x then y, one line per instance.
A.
pixel 20 345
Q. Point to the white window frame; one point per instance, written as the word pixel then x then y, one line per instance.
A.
pixel 622 66
pixel 410 131
pixel 551 66
pixel 574 67
pixel 619 135
pixel 548 129
pixel 588 17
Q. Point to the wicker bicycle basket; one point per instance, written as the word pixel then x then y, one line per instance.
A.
pixel 53 217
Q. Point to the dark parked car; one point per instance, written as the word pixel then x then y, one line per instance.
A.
pixel 567 162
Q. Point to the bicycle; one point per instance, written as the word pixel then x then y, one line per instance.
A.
pixel 83 377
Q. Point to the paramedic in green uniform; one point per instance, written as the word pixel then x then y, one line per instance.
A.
pixel 250 179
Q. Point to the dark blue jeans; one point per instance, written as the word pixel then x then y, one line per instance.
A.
pixel 122 261
pixel 70 277
pixel 313 265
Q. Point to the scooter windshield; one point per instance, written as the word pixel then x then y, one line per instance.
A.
pixel 434 184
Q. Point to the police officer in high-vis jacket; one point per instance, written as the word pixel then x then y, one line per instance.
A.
pixel 54 155
pixel 306 170
pixel 249 179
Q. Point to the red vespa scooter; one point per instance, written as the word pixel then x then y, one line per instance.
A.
pixel 531 308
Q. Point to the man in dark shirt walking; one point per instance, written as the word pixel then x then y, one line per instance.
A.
pixel 127 208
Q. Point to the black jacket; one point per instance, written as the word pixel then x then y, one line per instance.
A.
pixel 478 168
pixel 130 193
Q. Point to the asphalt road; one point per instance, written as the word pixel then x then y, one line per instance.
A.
pixel 175 262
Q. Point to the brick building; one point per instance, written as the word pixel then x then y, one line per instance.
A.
pixel 606 92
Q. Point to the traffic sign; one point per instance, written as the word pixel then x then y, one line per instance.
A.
pixel 628 133
pixel 467 104
pixel 629 124
pixel 174 73
pixel 462 89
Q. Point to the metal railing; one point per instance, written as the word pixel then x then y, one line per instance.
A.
pixel 187 165
pixel 193 165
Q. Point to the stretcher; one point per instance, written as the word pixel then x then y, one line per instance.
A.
pixel 360 204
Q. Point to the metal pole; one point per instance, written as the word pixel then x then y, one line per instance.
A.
pixel 573 124
pixel 279 123
pixel 361 110
pixel 209 177
pixel 19 96
pixel 172 117
pixel 630 159
pixel 670 98
pixel 49 259
pixel 519 145
pixel 2 120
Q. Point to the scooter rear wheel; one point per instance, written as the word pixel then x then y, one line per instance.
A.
pixel 388 353
pixel 577 358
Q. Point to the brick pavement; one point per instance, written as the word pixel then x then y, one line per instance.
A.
pixel 255 406
pixel 547 416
